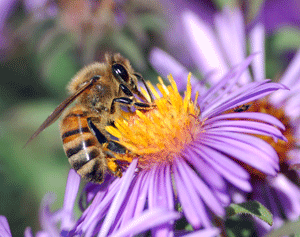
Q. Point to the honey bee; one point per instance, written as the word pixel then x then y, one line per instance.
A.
pixel 100 90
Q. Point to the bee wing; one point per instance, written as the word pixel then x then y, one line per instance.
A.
pixel 59 109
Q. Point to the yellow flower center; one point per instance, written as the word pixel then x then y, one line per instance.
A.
pixel 156 136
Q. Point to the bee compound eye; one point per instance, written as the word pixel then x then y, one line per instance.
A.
pixel 120 72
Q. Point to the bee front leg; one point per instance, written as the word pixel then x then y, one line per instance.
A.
pixel 128 102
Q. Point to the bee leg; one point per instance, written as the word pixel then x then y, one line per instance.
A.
pixel 116 147
pixel 129 93
pixel 127 101
pixel 100 137
pixel 114 167
pixel 111 163
pixel 121 100
pixel 126 90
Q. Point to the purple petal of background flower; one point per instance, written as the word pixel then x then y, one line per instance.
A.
pixel 4 227
pixel 276 14
pixel 208 58
pixel 72 187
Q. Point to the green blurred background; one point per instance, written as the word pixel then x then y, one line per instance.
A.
pixel 43 45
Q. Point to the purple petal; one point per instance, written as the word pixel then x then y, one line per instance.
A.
pixel 129 208
pixel 204 47
pixel 288 194
pixel 163 198
pixel 91 189
pixel 251 127
pixel 118 200
pixel 138 197
pixel 28 232
pixel 244 150
pixel 244 95
pixel 46 217
pixel 168 186
pixel 149 219
pixel 264 149
pixel 72 188
pixel 224 86
pixel 249 115
pixel 212 177
pixel 231 31
pixel 4 227
pixel 265 192
pixel 204 192
pixel 143 193
pixel 209 175
pixel 162 191
pixel 275 15
pixel 292 104
pixel 224 165
pixel 220 159
pixel 42 234
pixel 192 205
pixel 210 232
pixel 151 192
pixel 98 208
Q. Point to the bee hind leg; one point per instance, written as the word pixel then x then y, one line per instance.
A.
pixel 112 164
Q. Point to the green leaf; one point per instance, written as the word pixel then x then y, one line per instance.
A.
pixel 253 208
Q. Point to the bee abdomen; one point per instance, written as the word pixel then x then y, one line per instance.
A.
pixel 84 146
pixel 81 151
pixel 87 159
pixel 70 133
pixel 81 146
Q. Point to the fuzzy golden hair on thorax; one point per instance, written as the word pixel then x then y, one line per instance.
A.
pixel 102 69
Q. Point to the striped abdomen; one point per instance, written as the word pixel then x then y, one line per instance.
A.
pixel 81 146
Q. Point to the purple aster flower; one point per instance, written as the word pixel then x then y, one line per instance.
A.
pixel 183 153
pixel 216 48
